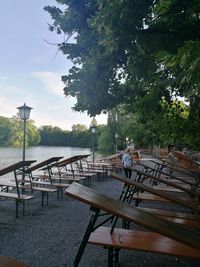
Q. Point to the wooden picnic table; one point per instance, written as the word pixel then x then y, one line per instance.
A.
pixel 193 205
pixel 158 173
pixel 43 163
pixel 192 192
pixel 100 202
pixel 16 166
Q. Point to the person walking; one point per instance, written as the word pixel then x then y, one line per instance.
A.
pixel 127 163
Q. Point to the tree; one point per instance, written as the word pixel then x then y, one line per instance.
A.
pixel 11 132
pixel 132 53
pixel 32 133
pixel 79 128
pixel 5 131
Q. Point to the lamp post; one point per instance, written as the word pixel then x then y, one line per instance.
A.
pixel 24 113
pixel 93 129
pixel 116 143
pixel 127 141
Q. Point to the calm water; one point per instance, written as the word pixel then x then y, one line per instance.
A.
pixel 10 155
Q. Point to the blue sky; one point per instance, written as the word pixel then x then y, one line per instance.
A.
pixel 31 69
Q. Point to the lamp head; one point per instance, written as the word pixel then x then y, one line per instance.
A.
pixel 93 129
pixel 24 112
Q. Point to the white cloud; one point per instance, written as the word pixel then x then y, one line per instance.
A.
pixel 10 98
pixel 44 92
pixel 52 81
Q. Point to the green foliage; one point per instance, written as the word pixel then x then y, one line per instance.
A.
pixel 105 140
pixel 55 136
pixel 135 54
pixel 5 131
pixel 79 128
pixel 12 132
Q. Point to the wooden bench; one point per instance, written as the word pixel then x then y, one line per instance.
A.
pixel 138 240
pixel 100 202
pixel 58 186
pixel 8 262
pixel 45 193
pixel 19 199
pixel 27 185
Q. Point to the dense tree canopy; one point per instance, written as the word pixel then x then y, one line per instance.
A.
pixel 143 55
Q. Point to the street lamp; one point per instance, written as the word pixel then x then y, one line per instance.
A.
pixel 24 113
pixel 93 129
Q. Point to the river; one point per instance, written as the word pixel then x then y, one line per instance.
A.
pixel 11 155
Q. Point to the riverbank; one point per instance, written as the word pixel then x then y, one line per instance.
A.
pixel 50 236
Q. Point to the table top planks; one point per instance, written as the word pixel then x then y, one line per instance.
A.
pixel 15 166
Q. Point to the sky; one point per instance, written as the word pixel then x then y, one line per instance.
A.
pixel 31 68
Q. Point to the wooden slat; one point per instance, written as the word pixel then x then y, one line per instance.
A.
pixel 8 262
pixel 44 163
pixel 129 213
pixel 71 160
pixel 143 241
pixel 15 196
pixel 186 219
pixel 15 166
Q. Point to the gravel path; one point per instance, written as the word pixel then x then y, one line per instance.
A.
pixel 50 236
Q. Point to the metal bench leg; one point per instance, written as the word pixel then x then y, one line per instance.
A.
pixel 23 203
pixel 110 257
pixel 113 257
pixel 42 199
pixel 17 207
pixel 47 198
pixel 86 236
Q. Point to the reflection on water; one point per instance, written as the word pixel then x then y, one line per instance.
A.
pixel 11 155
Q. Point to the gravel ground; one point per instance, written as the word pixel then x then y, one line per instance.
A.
pixel 50 236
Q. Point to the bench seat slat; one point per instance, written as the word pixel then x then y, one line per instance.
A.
pixel 143 241
pixel 15 196
pixel 8 262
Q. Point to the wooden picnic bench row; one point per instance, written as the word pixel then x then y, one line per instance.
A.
pixel 167 237
pixel 25 183
pixel 158 241
pixel 45 183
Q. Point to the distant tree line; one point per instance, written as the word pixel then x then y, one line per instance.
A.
pixel 122 129
pixel 80 136
pixel 11 134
